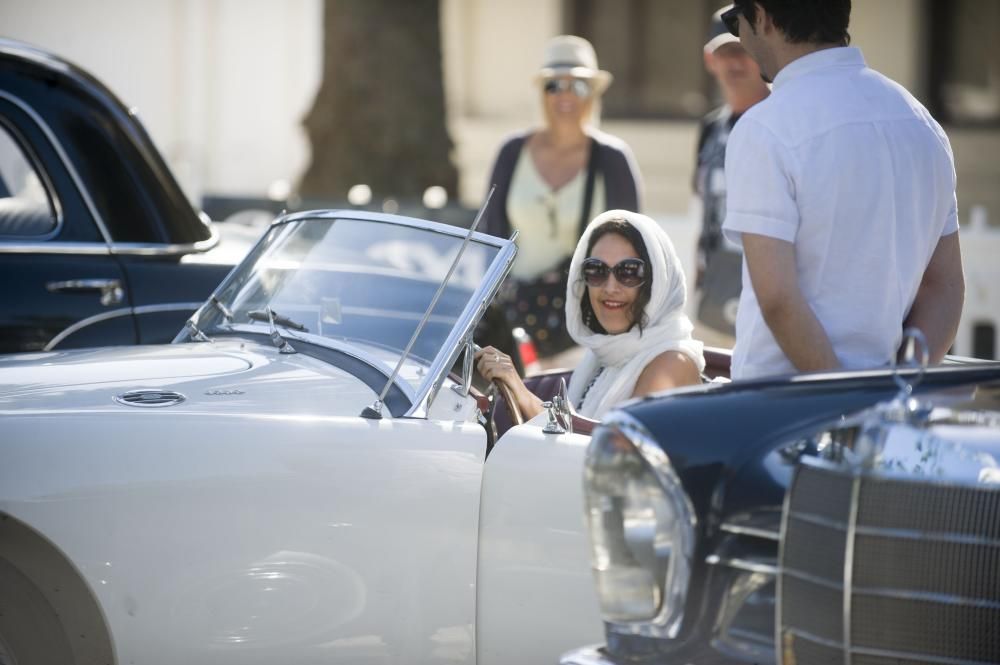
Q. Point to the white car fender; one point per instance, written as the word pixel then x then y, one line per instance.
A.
pixel 274 539
pixel 536 597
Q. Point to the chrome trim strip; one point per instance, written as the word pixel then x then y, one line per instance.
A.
pixel 884 475
pixel 399 220
pixel 115 313
pixel 915 534
pixel 926 658
pixel 70 168
pixel 756 532
pixel 814 579
pixel 852 524
pixel 819 521
pixel 87 248
pixel 928 596
pixel 153 249
pixel 743 564
pixel 779 650
pixel 50 190
pixel 166 307
pixel 83 323
pixel 668 621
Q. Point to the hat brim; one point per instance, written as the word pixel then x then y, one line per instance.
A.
pixel 720 40
pixel 600 78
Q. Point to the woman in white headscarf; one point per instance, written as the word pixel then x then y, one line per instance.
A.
pixel 625 305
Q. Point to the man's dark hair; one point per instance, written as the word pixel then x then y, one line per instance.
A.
pixel 805 21
pixel 638 311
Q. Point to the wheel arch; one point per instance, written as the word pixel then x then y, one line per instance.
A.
pixel 45 591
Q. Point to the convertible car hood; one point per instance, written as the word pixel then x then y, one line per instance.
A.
pixel 226 377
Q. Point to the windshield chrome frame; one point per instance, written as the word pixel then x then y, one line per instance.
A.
pixel 421 395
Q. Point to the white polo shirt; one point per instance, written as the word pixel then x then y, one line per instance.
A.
pixel 848 166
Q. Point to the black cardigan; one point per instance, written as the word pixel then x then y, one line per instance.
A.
pixel 614 161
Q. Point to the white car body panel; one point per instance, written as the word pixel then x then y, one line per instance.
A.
pixel 536 592
pixel 279 538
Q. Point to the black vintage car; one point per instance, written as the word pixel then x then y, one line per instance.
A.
pixel 98 244
pixel 835 515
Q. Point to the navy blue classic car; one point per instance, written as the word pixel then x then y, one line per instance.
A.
pixel 826 518
pixel 98 244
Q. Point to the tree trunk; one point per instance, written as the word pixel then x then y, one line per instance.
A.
pixel 379 116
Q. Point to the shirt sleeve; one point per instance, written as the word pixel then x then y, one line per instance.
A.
pixel 951 223
pixel 760 187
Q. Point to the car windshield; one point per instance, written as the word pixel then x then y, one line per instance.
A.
pixel 363 283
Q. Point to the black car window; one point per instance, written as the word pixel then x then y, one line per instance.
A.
pixel 25 205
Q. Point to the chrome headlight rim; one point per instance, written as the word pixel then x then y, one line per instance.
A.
pixel 668 620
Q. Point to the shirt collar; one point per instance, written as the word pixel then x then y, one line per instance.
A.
pixel 840 56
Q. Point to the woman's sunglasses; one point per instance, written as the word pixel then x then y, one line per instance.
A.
pixel 630 273
pixel 579 87
pixel 731 19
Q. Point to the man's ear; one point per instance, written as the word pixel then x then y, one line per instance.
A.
pixel 763 23
pixel 709 61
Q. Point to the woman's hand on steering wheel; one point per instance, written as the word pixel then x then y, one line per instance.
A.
pixel 498 367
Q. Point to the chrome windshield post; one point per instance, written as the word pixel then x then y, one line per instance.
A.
pixel 468 356
pixel 375 410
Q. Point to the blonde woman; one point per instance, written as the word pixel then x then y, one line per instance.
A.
pixel 548 182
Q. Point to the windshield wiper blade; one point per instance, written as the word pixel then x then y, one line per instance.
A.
pixel 270 316
pixel 273 319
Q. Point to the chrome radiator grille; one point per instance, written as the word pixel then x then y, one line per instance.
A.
pixel 880 571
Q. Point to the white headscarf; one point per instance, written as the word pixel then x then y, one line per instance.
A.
pixel 624 356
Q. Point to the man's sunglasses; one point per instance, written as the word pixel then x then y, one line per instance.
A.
pixel 731 19
pixel 579 87
pixel 630 273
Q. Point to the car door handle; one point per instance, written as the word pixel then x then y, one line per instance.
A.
pixel 110 289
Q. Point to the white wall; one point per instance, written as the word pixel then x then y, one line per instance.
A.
pixel 220 85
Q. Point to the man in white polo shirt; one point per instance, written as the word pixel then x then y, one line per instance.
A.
pixel 841 190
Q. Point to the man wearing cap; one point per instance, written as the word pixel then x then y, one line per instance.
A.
pixel 718 262
pixel 841 190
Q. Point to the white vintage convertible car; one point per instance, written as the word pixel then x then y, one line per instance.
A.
pixel 301 477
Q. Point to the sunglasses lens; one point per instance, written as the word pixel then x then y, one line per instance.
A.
pixel 595 272
pixel 579 87
pixel 630 272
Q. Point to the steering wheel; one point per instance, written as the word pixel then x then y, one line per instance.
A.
pixel 516 417
pixel 490 392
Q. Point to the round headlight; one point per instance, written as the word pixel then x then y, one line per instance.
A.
pixel 642 530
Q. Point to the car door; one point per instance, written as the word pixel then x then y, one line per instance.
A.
pixel 534 574
pixel 59 282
